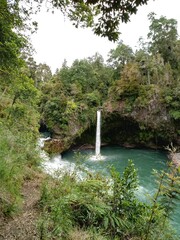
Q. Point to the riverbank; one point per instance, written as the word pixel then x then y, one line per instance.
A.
pixel 26 225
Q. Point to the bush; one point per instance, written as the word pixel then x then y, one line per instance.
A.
pixel 16 152
pixel 106 207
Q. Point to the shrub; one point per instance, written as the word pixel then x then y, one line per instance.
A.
pixel 107 207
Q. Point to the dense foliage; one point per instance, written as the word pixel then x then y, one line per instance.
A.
pixel 74 93
pixel 99 207
pixel 18 111
pixel 66 102
pixel 143 86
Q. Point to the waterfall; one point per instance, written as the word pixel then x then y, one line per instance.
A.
pixel 98 134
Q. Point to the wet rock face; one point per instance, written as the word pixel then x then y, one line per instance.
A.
pixel 118 128
pixel 123 123
pixel 148 126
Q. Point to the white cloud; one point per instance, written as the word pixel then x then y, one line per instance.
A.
pixel 57 39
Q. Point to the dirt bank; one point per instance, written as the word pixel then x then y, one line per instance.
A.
pixel 24 225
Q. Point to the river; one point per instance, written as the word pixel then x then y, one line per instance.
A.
pixel 145 161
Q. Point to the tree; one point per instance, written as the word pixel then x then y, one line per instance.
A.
pixel 163 38
pixel 43 74
pixel 118 57
pixel 32 67
pixel 143 60
pixel 10 42
pixel 129 83
pixel 102 16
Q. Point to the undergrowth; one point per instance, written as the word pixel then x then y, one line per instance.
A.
pixel 17 153
pixel 102 208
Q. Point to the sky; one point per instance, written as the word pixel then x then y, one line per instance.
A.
pixel 57 39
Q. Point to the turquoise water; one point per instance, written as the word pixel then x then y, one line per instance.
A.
pixel 145 161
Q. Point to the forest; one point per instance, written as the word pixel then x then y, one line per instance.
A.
pixel 139 94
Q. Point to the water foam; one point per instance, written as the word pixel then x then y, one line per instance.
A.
pixel 97 158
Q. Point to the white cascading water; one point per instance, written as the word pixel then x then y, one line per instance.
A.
pixel 98 134
pixel 53 165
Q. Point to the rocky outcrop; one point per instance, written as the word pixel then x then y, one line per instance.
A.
pixel 149 125
pixel 55 145
pixel 124 122
pixel 64 137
